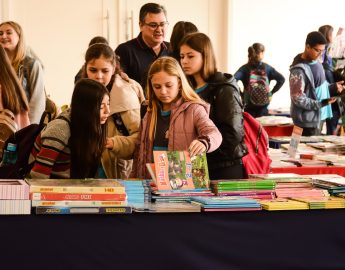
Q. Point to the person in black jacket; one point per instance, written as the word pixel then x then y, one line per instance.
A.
pixel 222 92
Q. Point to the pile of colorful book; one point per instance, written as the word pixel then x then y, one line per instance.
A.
pixel 250 188
pixel 288 185
pixel 14 197
pixel 72 196
pixel 334 183
pixel 138 191
pixel 226 203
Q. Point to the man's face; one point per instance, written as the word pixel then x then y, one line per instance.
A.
pixel 314 52
pixel 153 28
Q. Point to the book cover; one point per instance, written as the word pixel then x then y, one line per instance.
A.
pixel 173 170
pixel 200 174
pixel 53 210
pixel 46 196
pixel 13 189
pixel 103 186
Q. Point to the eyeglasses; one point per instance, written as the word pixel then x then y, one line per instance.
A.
pixel 317 50
pixel 154 26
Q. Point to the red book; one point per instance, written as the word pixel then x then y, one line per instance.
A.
pixel 77 197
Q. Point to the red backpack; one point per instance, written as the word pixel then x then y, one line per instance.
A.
pixel 257 160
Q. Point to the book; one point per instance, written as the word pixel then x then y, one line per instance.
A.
pixel 52 210
pixel 76 196
pixel 173 170
pixel 167 207
pixel 78 203
pixel 104 186
pixel 283 204
pixel 13 189
pixel 15 207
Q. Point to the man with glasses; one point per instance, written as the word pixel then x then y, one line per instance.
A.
pixel 309 90
pixel 136 55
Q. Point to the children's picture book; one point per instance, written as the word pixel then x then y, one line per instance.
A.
pixel 176 170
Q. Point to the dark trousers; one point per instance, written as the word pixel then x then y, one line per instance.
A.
pixel 311 132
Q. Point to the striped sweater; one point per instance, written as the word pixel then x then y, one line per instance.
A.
pixel 51 152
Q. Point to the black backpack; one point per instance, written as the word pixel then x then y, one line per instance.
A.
pixel 24 139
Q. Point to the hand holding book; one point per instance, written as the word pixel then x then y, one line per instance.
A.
pixel 196 148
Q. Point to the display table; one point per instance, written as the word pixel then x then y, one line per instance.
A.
pixel 310 170
pixel 279 130
pixel 313 239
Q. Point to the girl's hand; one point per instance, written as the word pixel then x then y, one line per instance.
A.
pixel 196 148
pixel 109 144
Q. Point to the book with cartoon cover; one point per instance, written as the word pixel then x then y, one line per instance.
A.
pixel 176 170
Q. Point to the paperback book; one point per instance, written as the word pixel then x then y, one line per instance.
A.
pixel 176 170
pixel 102 186
pixel 53 210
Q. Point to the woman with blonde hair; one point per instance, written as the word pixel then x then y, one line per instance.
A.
pixel 28 69
pixel 12 95
pixel 176 118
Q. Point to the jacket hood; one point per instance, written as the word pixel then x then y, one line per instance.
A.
pixel 124 95
pixel 181 105
pixel 220 78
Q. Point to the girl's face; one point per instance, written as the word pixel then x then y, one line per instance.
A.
pixel 9 38
pixel 100 69
pixel 166 88
pixel 104 111
pixel 191 60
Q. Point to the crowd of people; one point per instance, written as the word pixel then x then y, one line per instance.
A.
pixel 150 94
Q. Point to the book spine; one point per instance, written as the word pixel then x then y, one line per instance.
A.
pixel 81 189
pixel 76 196
pixel 78 203
pixel 46 210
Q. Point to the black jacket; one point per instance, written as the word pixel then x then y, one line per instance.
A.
pixel 223 94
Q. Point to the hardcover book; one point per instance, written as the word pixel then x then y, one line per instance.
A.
pixel 102 186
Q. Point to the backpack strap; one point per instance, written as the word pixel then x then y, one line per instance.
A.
pixel 119 124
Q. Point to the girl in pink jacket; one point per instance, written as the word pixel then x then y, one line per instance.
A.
pixel 176 118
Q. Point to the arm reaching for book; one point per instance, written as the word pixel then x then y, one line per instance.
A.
pixel 196 148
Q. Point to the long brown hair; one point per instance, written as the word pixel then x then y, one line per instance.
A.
pixel 202 44
pixel 12 94
pixel 172 68
pixel 20 50
pixel 88 136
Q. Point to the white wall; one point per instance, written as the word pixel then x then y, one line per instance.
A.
pixel 282 27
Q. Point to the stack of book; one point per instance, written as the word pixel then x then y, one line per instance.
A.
pixel 226 203
pixel 167 207
pixel 138 191
pixel 283 204
pixel 289 185
pixel 255 189
pixel 14 197
pixel 72 196
pixel 334 183
pixel 178 177
pixel 323 203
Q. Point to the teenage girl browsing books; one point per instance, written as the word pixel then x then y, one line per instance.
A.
pixel 176 118
pixel 102 65
pixel 71 145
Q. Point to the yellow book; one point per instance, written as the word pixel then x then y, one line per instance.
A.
pixel 100 186
pixel 283 204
